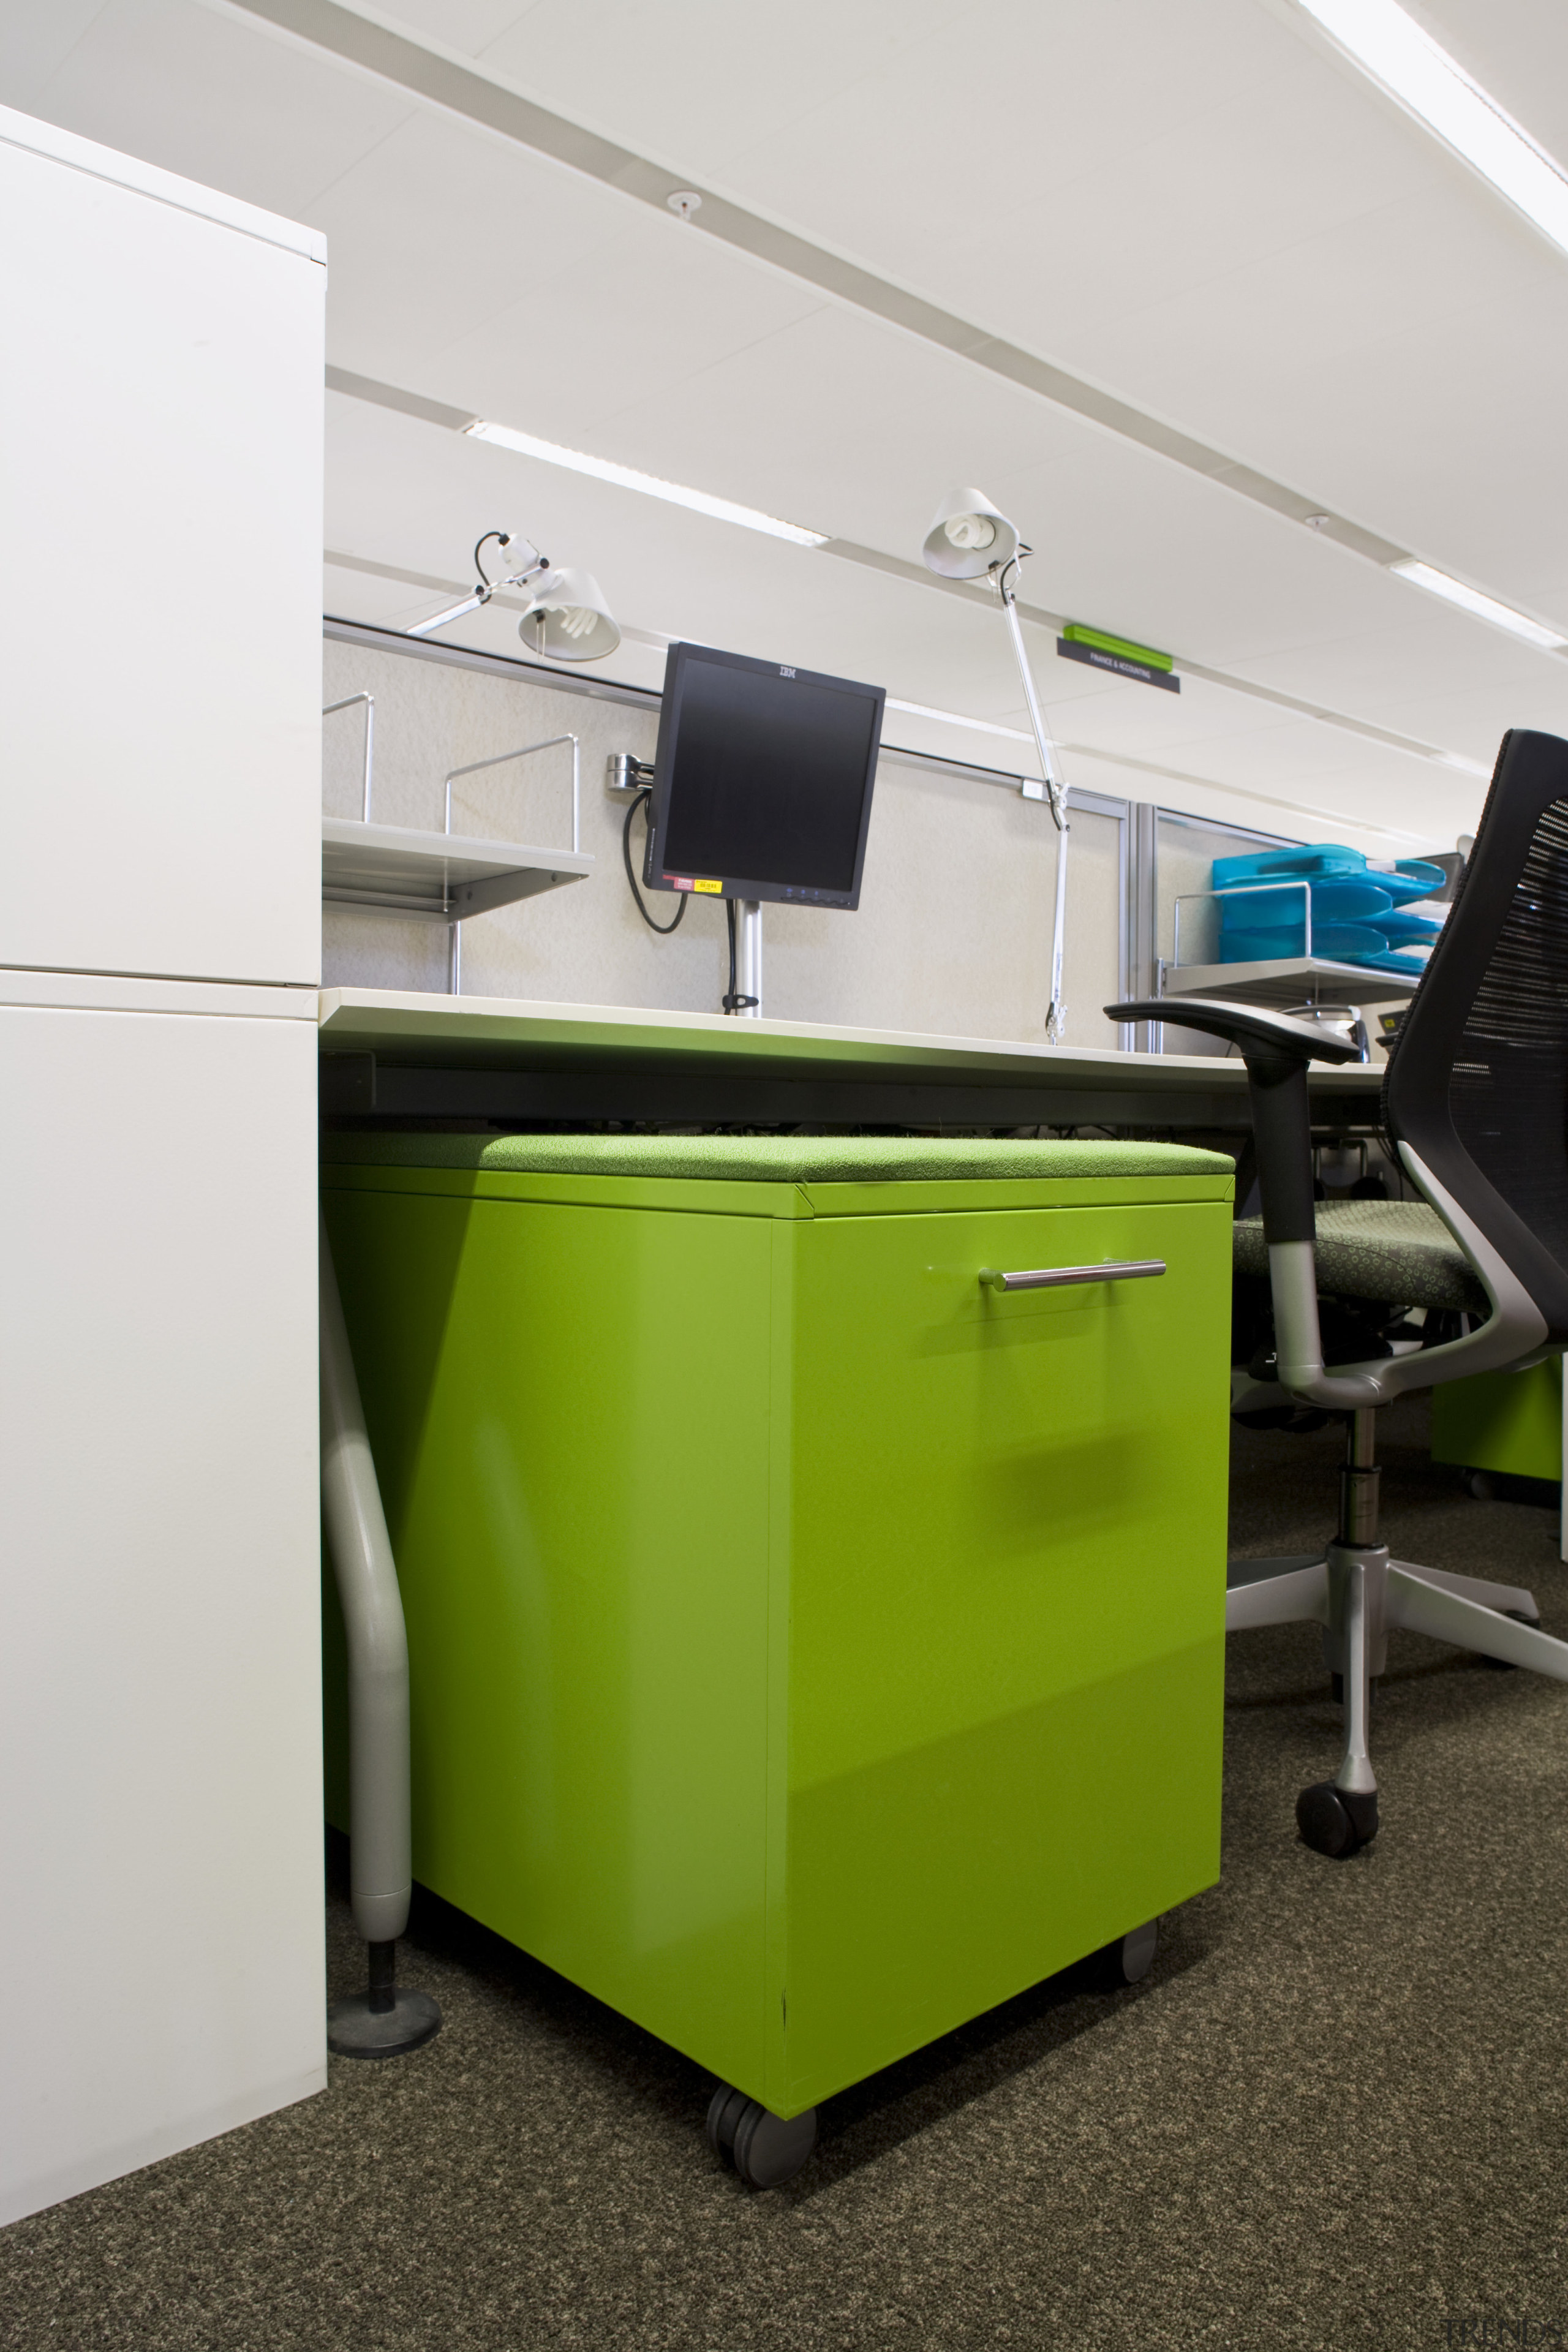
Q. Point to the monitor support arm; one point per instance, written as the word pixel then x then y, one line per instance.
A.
pixel 1277 1051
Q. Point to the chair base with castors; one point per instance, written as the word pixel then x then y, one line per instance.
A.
pixel 1357 1593
pixel 1472 1112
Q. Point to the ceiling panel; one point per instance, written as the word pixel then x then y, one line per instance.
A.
pixel 1125 539
pixel 464 25
pixel 699 82
pixel 213 97
pixel 1209 215
pixel 1152 146
pixel 1197 208
pixel 1410 660
pixel 1162 147
pixel 650 308
pixel 841 422
pixel 1305 279
pixel 35 42
pixel 439 229
pixel 1449 447
pixel 1475 720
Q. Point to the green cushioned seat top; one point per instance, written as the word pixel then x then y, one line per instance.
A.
pixel 1398 1251
pixel 776 1158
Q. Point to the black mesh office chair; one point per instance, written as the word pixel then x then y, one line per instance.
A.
pixel 1476 1104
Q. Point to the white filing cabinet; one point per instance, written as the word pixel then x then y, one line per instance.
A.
pixel 160 554
pixel 160 571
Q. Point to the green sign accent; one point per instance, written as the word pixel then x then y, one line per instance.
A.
pixel 1121 665
pixel 1076 634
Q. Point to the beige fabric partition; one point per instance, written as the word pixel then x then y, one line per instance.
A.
pixel 953 931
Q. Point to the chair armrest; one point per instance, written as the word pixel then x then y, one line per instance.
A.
pixel 1276 1051
pixel 1247 1026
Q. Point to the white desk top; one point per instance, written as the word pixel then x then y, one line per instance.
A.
pixel 514 1030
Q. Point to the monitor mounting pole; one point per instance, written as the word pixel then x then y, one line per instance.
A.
pixel 749 960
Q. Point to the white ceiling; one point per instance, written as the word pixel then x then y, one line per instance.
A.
pixel 1201 210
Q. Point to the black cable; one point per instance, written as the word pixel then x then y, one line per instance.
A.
pixel 730 1001
pixel 663 930
pixel 485 585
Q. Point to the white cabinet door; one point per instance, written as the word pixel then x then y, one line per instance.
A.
pixel 161 411
pixel 161 1976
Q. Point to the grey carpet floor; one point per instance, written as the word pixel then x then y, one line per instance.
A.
pixel 1335 2115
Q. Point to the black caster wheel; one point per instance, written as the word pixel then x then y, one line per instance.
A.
pixel 1125 1962
pixel 1479 1485
pixel 724 2114
pixel 1133 1957
pixel 764 2150
pixel 1335 1822
pixel 1505 1665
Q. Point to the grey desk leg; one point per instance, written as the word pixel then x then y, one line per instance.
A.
pixel 383 2019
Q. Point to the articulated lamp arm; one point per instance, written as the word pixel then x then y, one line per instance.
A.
pixel 971 538
pixel 526 564
pixel 1056 792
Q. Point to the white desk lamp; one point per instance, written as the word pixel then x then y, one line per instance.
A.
pixel 969 540
pixel 522 562
pixel 568 617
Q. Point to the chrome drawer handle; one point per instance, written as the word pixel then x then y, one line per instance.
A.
pixel 1055 1278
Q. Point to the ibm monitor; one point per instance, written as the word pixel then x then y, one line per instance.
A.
pixel 762 780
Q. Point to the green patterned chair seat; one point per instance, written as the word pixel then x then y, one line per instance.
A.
pixel 779 1159
pixel 1399 1251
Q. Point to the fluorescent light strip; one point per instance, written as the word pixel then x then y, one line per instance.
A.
pixel 626 478
pixel 1485 608
pixel 1391 47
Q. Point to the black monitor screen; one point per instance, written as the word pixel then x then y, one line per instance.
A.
pixel 763 779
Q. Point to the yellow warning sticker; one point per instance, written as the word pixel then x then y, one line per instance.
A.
pixel 709 886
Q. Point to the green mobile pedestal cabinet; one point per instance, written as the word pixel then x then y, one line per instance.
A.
pixel 811 1646
pixel 1507 1421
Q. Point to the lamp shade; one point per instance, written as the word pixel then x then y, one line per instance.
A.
pixel 569 619
pixel 968 536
